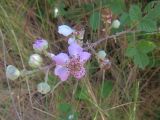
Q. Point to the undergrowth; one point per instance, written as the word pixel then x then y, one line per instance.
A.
pixel 129 90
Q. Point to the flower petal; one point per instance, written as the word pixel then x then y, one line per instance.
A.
pixel 71 40
pixel 61 72
pixel 61 58
pixel 80 74
pixel 74 49
pixel 84 56
pixel 65 30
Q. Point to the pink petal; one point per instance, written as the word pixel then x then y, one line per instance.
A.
pixel 84 56
pixel 61 58
pixel 74 49
pixel 80 74
pixel 61 72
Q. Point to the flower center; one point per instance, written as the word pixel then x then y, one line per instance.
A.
pixel 74 65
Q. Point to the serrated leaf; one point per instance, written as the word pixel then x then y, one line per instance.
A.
pixel 147 25
pixel 146 46
pixel 149 6
pixel 95 20
pixel 139 52
pixel 106 88
pixel 64 107
pixel 141 59
pixel 154 13
pixel 135 13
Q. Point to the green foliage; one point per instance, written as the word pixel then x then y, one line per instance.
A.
pixel 139 51
pixel 81 94
pixel 106 88
pixel 64 107
pixel 117 6
pixel 147 25
pixel 125 19
pixel 135 13
pixel 95 20
pixel 51 2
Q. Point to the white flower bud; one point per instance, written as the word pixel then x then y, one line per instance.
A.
pixel 116 24
pixel 65 30
pixel 43 88
pixel 101 54
pixel 12 72
pixel 35 60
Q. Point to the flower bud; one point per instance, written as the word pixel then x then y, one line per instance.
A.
pixel 35 60
pixel 116 24
pixel 65 30
pixel 40 45
pixel 12 72
pixel 101 54
pixel 43 88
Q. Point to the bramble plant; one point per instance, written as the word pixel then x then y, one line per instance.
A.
pixel 73 64
pixel 98 38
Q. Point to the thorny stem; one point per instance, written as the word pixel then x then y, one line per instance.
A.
pixel 92 45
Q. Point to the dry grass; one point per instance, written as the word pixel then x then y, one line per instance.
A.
pixel 135 95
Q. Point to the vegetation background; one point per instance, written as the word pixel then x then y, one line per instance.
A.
pixel 129 90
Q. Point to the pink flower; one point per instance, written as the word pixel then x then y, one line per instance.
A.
pixel 72 65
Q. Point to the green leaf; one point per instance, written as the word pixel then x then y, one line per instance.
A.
pixel 117 6
pixel 125 19
pixel 147 25
pixel 154 13
pixel 139 51
pixel 135 13
pixel 146 46
pixel 81 94
pixel 95 20
pixel 149 6
pixel 106 88
pixel 141 59
pixel 64 107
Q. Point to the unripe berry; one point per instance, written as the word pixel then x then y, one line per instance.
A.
pixel 116 24
pixel 12 72
pixel 35 61
pixel 101 54
pixel 43 88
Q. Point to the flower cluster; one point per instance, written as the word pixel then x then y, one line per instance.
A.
pixel 69 64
